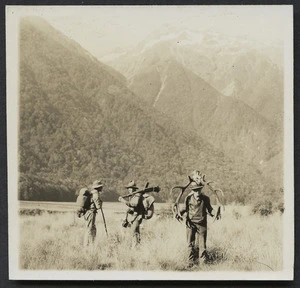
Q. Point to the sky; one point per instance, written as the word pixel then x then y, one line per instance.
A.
pixel 102 29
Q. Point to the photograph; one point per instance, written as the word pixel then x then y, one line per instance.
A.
pixel 150 142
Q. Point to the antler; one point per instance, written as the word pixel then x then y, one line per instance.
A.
pixel 215 192
pixel 211 188
pixel 218 214
pixel 175 207
pixel 196 177
pixel 199 179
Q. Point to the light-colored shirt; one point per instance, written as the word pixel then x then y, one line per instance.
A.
pixel 96 202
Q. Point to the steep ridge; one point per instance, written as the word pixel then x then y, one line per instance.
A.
pixel 247 124
pixel 79 122
pixel 227 123
pixel 236 67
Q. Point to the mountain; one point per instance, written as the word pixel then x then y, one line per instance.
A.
pixel 238 67
pixel 186 75
pixel 79 122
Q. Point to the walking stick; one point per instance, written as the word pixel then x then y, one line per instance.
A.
pixel 104 222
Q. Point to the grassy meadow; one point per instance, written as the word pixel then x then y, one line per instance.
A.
pixel 240 241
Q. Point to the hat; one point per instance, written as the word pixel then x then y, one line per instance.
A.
pixel 97 184
pixel 131 184
pixel 83 191
pixel 195 186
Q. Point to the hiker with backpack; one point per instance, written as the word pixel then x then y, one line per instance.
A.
pixel 88 203
pixel 141 206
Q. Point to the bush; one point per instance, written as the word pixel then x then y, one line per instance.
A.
pixel 264 208
pixel 35 212
pixel 31 212
pixel 236 214
pixel 280 207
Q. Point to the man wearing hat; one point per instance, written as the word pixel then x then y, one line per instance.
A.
pixel 141 207
pixel 197 206
pixel 90 215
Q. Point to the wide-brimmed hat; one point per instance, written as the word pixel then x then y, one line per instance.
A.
pixel 97 184
pixel 195 186
pixel 131 184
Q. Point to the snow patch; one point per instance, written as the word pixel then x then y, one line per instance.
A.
pixel 228 91
pixel 151 43
pixel 110 57
pixel 182 38
pixel 191 38
pixel 160 90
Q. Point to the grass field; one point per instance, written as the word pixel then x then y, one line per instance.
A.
pixel 239 241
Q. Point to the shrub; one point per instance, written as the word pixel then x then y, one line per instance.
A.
pixel 237 215
pixel 264 208
pixel 35 212
pixel 280 207
pixel 31 212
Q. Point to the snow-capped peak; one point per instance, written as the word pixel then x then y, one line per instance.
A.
pixel 182 37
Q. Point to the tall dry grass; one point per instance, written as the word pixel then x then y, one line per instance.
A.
pixel 239 241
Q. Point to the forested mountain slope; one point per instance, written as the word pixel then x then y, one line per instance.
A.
pixel 227 90
pixel 79 122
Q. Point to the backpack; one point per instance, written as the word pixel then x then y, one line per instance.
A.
pixel 142 204
pixel 135 201
pixel 148 203
pixel 83 201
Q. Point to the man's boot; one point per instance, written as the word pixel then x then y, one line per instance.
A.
pixel 204 257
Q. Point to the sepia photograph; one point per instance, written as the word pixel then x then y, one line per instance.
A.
pixel 150 142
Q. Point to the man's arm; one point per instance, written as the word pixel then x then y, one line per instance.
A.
pixel 121 199
pixel 209 207
pixel 96 199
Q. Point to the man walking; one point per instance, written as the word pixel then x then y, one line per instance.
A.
pixel 90 202
pixel 197 206
pixel 140 207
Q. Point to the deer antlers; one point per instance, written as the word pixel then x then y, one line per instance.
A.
pixel 198 178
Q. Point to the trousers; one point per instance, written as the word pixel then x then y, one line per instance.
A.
pixel 136 231
pixel 196 238
pixel 91 231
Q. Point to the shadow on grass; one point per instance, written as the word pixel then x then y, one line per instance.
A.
pixel 215 256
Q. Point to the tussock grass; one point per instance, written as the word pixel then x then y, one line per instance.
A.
pixel 240 241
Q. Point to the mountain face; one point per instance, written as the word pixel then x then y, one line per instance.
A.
pixel 79 122
pixel 247 70
pixel 225 89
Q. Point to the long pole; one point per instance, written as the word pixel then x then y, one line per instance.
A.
pixel 145 190
pixel 104 222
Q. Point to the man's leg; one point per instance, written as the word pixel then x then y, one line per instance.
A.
pixel 91 231
pixel 190 234
pixel 136 231
pixel 201 242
